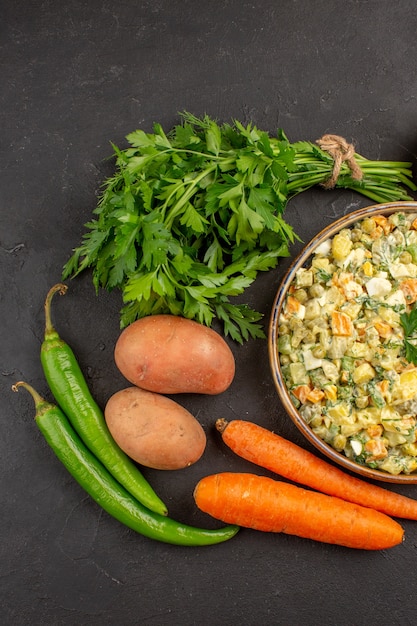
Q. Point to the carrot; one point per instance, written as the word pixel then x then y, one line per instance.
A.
pixel 341 324
pixel 315 395
pixel 376 448
pixel 301 392
pixel 409 289
pixel 383 329
pixel 306 393
pixel 377 232
pixel 384 223
pixel 293 306
pixel 268 505
pixel 375 430
pixel 383 387
pixel 269 450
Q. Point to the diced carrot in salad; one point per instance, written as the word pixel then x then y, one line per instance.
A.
pixel 341 324
pixel 377 232
pixel 376 448
pixel 409 289
pixel 315 395
pixel 301 393
pixel 304 393
pixel 293 306
pixel 384 223
pixel 383 328
pixel 383 386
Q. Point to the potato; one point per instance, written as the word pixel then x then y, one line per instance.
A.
pixel 169 354
pixel 154 430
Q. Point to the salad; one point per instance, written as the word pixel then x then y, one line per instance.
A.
pixel 346 345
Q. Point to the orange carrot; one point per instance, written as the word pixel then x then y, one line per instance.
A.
pixel 383 387
pixel 293 305
pixel 341 324
pixel 409 289
pixel 269 450
pixel 377 232
pixel 268 505
pixel 315 395
pixel 383 329
pixel 376 448
pixel 384 223
pixel 301 392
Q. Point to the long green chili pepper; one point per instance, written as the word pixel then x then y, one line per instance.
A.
pixel 70 390
pixel 105 490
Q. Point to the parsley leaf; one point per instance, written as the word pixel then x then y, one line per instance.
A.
pixel 409 324
pixel 410 351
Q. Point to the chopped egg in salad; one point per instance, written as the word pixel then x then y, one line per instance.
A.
pixel 342 343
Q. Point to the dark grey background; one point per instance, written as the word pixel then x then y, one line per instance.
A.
pixel 75 76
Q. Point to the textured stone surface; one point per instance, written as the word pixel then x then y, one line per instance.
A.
pixel 75 76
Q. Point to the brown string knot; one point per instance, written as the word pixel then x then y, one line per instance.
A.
pixel 341 151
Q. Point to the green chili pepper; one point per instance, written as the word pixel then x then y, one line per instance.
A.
pixel 105 490
pixel 70 390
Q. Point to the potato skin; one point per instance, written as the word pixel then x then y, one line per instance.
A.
pixel 154 430
pixel 170 354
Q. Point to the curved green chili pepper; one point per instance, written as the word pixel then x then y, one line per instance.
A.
pixel 105 490
pixel 70 390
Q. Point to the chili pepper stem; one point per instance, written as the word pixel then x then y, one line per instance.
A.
pixel 41 404
pixel 49 327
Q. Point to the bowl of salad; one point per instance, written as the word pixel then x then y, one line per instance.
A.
pixel 343 342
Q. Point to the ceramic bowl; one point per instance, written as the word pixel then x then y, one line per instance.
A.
pixel 302 260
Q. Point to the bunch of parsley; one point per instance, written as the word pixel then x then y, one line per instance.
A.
pixel 190 217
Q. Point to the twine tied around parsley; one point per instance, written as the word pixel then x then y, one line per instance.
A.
pixel 341 152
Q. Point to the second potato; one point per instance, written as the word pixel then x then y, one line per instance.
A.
pixel 154 430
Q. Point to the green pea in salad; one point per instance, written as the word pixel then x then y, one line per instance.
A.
pixel 346 342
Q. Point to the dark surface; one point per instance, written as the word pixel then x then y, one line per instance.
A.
pixel 75 76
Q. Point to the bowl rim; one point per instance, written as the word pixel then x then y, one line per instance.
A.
pixel 283 394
